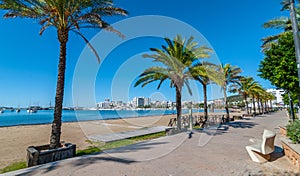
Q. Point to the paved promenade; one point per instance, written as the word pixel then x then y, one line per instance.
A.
pixel 209 152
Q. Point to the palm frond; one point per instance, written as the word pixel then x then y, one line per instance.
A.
pixel 89 45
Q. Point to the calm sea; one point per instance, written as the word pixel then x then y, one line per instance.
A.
pixel 46 116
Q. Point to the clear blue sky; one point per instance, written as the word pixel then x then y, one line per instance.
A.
pixel 28 66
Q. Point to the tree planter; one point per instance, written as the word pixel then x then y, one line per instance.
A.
pixel 292 151
pixel 37 155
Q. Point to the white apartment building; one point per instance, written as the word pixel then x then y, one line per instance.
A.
pixel 278 95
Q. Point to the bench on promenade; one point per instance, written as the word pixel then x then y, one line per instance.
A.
pixel 172 122
pixel 198 120
pixel 261 150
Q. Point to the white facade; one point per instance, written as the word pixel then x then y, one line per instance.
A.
pixel 104 105
pixel 147 101
pixel 141 102
pixel 278 95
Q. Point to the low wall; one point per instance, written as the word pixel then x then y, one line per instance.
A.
pixel 37 155
pixel 292 151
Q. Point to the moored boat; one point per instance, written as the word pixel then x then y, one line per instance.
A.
pixel 31 110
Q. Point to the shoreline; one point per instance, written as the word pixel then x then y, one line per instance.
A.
pixel 117 118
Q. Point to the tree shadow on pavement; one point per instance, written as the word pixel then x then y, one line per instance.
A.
pixel 86 160
pixel 241 124
pixel 223 128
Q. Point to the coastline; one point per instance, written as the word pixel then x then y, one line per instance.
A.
pixel 75 120
pixel 15 139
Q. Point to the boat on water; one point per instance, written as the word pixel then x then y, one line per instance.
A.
pixel 1 111
pixel 18 110
pixel 31 110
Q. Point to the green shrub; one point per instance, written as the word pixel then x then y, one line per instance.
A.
pixel 14 166
pixel 293 131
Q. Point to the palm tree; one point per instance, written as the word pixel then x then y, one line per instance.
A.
pixel 270 98
pixel 255 95
pixel 245 87
pixel 177 57
pixel 64 16
pixel 282 22
pixel 205 73
pixel 231 75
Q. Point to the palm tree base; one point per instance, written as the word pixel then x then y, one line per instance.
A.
pixel 37 155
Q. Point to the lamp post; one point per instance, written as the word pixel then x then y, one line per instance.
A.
pixel 191 116
pixel 296 39
pixel 291 107
pixel 295 34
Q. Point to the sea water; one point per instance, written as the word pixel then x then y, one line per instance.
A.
pixel 46 116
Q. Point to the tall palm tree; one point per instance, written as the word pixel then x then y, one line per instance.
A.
pixel 255 91
pixel 205 73
pixel 270 98
pixel 65 16
pixel 282 22
pixel 177 57
pixel 245 87
pixel 231 75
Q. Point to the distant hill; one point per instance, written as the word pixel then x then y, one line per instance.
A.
pixel 235 98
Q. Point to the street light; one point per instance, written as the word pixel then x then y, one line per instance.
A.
pixel 191 116
pixel 295 34
pixel 291 107
pixel 295 28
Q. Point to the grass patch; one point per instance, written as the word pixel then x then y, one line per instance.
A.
pixel 197 127
pixel 14 166
pixel 149 136
pixel 97 147
pixel 89 150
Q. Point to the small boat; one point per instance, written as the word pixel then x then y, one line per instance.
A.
pixel 1 111
pixel 18 110
pixel 32 111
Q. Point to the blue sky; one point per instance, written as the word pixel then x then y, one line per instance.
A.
pixel 28 66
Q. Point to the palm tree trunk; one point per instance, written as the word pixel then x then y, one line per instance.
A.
pixel 226 103
pixel 205 103
pixel 56 124
pixel 262 106
pixel 247 107
pixel 259 111
pixel 266 107
pixel 254 108
pixel 178 106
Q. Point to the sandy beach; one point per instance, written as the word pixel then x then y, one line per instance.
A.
pixel 15 140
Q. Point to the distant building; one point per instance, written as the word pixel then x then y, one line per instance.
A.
pixel 278 96
pixel 147 101
pixel 219 103
pixel 140 102
pixel 104 105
